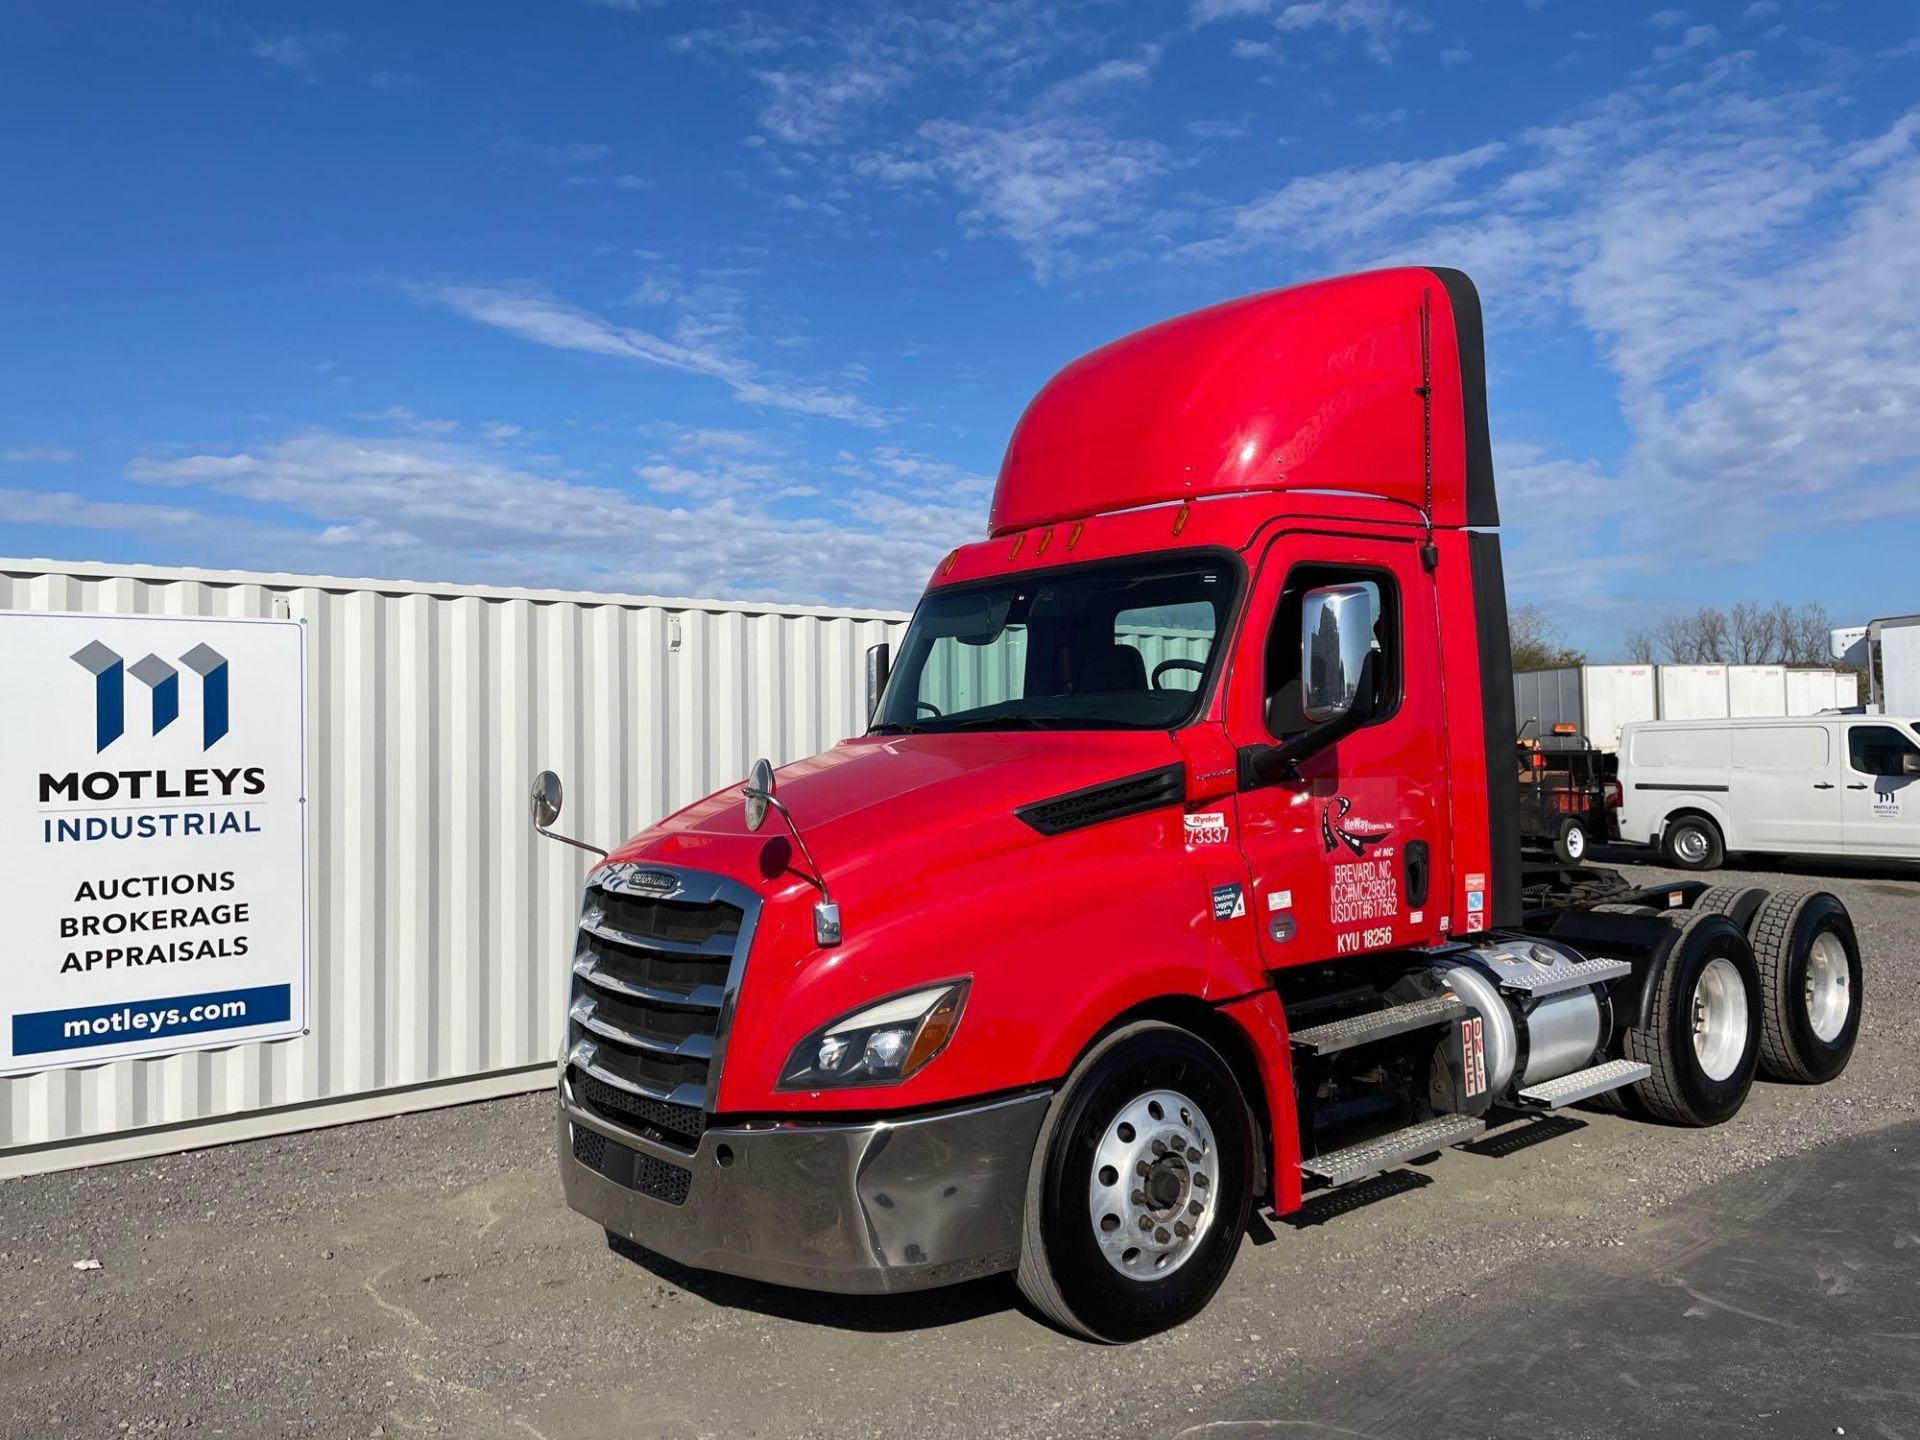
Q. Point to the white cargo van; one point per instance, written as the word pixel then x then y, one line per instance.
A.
pixel 1817 784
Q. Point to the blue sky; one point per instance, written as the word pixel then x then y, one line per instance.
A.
pixel 705 299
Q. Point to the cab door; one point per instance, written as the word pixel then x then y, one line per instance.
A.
pixel 1882 795
pixel 1344 858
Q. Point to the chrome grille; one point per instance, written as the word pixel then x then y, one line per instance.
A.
pixel 653 983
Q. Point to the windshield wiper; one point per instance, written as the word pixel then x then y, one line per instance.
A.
pixel 995 722
pixel 897 727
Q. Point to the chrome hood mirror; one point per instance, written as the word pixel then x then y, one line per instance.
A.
pixel 546 799
pixel 758 796
pixel 544 804
pixel 758 793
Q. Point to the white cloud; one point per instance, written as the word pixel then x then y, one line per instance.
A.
pixel 564 154
pixel 1379 24
pixel 41 454
pixel 1352 204
pixel 1045 182
pixel 298 55
pixel 544 319
pixel 705 524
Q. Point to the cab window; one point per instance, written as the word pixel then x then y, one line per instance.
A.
pixel 1881 750
pixel 1284 717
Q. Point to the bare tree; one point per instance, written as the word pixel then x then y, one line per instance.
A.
pixel 1538 642
pixel 1777 634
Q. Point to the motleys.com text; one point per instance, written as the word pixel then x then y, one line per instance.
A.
pixel 157 1021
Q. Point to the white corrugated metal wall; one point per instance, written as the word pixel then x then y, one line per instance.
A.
pixel 440 922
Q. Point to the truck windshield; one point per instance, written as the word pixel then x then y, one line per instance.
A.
pixel 1120 646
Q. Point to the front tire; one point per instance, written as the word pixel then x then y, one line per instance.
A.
pixel 1702 1039
pixel 1693 843
pixel 1141 1186
pixel 1810 989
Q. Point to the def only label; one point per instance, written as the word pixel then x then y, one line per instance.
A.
pixel 152 836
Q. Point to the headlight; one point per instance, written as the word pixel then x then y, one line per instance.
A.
pixel 880 1045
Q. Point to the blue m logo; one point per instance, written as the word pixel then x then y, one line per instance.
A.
pixel 110 673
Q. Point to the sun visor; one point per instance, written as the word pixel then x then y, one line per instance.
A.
pixel 1374 383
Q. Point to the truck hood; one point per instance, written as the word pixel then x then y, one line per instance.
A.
pixel 895 808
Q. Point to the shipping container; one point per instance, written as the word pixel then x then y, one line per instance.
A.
pixel 439 926
pixel 1596 699
pixel 1693 692
pixel 1809 692
pixel 1756 690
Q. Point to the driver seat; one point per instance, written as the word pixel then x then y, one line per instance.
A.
pixel 1116 666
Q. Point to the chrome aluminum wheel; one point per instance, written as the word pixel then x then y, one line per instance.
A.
pixel 1152 1192
pixel 1720 1018
pixel 1829 991
pixel 1691 844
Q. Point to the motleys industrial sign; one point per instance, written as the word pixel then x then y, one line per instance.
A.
pixel 152 836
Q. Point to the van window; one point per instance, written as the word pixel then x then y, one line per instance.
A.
pixel 1781 747
pixel 1696 749
pixel 1879 750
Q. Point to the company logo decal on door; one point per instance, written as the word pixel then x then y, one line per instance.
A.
pixel 1337 827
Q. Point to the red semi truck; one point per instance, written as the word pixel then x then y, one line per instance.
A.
pixel 1178 869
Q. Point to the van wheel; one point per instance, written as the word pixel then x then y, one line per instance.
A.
pixel 1570 845
pixel 1140 1188
pixel 1703 1038
pixel 1809 985
pixel 1693 843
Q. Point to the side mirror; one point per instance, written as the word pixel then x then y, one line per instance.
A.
pixel 758 792
pixel 879 667
pixel 546 798
pixel 1336 637
pixel 544 805
pixel 1910 763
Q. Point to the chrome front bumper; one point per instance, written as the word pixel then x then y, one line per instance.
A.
pixel 860 1208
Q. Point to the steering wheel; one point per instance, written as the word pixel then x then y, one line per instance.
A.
pixel 1196 666
pixel 929 707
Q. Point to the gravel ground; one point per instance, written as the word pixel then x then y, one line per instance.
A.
pixel 421 1276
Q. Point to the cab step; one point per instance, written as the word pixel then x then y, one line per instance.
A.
pixel 1380 1025
pixel 1576 976
pixel 1356 1162
pixel 1583 1084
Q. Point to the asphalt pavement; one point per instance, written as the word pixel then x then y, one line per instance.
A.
pixel 1578 1275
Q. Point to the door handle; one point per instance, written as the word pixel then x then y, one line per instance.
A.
pixel 1824 785
pixel 1856 787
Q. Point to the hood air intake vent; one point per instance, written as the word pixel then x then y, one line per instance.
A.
pixel 1109 800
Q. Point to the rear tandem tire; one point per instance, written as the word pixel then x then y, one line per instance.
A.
pixel 1737 902
pixel 1064 1270
pixel 1810 985
pixel 1703 1036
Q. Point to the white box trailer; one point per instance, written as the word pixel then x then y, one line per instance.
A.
pixel 1595 699
pixel 1693 692
pixel 1809 692
pixel 1754 690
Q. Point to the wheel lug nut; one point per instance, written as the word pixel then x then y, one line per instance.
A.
pixel 1139 1197
pixel 1194 1207
pixel 1161 1236
pixel 1146 1222
pixel 1200 1180
pixel 1140 1168
pixel 1159 1147
pixel 1193 1157
pixel 1180 1229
